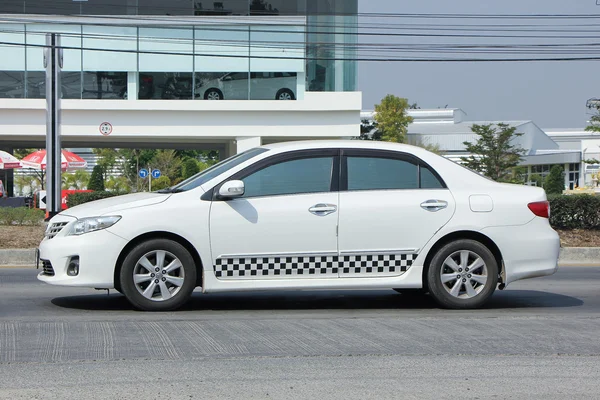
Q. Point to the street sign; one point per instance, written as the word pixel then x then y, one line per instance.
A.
pixel 143 173
pixel 156 173
pixel 106 128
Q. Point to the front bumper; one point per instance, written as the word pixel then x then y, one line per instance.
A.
pixel 98 253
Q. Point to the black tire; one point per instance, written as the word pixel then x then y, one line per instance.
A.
pixel 484 290
pixel 218 95
pixel 286 92
pixel 132 293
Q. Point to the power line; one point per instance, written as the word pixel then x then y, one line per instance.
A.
pixel 388 59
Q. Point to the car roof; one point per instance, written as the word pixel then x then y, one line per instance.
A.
pixel 347 144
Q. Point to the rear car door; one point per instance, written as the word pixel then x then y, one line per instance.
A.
pixel 391 204
pixel 285 224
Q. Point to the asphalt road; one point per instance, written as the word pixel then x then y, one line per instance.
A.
pixel 538 339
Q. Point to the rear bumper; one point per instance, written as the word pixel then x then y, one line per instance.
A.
pixel 528 251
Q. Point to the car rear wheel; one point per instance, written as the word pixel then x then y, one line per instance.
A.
pixel 158 275
pixel 285 94
pixel 462 274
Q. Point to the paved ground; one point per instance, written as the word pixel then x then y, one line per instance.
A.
pixel 538 339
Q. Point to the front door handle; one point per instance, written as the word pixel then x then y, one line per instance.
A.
pixel 323 209
pixel 434 205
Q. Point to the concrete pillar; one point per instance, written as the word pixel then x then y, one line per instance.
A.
pixel 301 86
pixel 246 143
pixel 567 176
pixel 132 86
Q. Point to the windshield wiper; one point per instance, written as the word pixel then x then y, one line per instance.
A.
pixel 170 190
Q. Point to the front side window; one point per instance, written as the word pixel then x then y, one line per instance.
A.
pixel 216 170
pixel 305 175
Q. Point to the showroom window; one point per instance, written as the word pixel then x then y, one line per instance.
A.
pixel 273 85
pixel 12 84
pixel 104 85
pixel 306 175
pixel 372 173
pixel 70 83
pixel 165 85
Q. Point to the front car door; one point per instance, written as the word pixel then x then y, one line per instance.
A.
pixel 285 224
pixel 391 204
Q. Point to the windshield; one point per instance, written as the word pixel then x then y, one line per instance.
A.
pixel 214 171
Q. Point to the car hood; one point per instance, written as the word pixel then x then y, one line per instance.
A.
pixel 115 204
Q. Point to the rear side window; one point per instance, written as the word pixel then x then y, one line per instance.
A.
pixel 429 180
pixel 372 173
pixel 305 175
pixel 380 173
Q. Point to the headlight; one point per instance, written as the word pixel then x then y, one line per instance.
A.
pixel 92 224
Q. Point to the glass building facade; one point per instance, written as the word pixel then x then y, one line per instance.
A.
pixel 181 49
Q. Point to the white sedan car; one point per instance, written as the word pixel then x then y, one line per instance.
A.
pixel 309 215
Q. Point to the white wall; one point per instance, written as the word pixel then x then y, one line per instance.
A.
pixel 319 115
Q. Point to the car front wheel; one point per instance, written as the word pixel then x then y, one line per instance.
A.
pixel 158 275
pixel 462 274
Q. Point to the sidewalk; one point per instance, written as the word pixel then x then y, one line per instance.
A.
pixel 569 256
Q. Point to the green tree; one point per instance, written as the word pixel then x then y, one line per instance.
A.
pixel 368 130
pixel 494 154
pixel 106 158
pixel 77 180
pixel 537 179
pixel 22 153
pixel 161 183
pixel 594 125
pixel 119 184
pixel 27 184
pixel 167 162
pixel 392 119
pixel 190 168
pixel 96 182
pixel 133 161
pixel 555 181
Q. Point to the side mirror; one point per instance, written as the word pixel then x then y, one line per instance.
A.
pixel 232 189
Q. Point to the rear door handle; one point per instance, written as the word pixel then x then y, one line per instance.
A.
pixel 323 209
pixel 434 205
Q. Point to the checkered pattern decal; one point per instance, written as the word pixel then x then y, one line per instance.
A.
pixel 313 266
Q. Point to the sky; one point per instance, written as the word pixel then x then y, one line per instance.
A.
pixel 551 94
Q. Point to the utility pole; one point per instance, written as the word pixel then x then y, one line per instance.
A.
pixel 53 61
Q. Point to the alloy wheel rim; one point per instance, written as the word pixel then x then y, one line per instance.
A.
pixel 158 275
pixel 464 274
pixel 285 96
pixel 213 96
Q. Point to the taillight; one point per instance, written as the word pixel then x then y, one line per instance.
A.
pixel 540 208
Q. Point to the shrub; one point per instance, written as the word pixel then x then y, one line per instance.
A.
pixel 555 181
pixel 578 211
pixel 161 183
pixel 76 199
pixel 20 216
pixel 97 179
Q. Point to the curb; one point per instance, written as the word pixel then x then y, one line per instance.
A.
pixel 17 257
pixel 569 256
